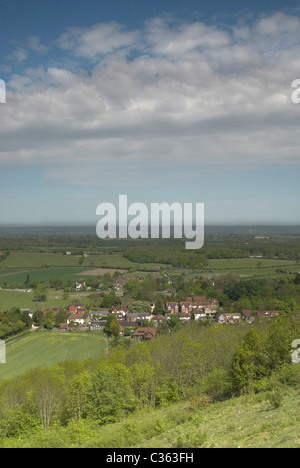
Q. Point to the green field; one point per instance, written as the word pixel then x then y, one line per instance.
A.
pixel 42 274
pixel 39 349
pixel 40 260
pixel 49 266
pixel 248 263
pixel 251 267
pixel 23 300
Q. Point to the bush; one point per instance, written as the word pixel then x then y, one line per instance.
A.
pixel 217 384
pixel 196 402
pixel 275 397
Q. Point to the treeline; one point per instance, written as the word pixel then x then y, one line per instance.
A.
pixel 205 362
pixel 215 247
pixel 4 255
pixel 13 321
pixel 168 254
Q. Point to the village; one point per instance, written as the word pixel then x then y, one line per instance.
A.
pixel 145 325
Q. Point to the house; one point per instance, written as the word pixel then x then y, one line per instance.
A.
pixel 247 315
pixel 119 311
pixel 172 307
pixel 143 334
pixel 198 314
pixel 267 313
pixel 211 310
pixel 209 306
pixel 184 316
pixel 52 309
pixel 157 319
pixel 186 306
pixel 100 313
pixel 120 282
pixel 234 318
pixel 171 314
pixel 137 316
pixel 228 318
pixel 79 320
pixel 74 308
pixel 125 324
pixel 80 286
pixel 97 324
pixel 29 312
pixel 100 324
pixel 221 318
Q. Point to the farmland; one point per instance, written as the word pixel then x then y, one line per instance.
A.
pixel 69 257
pixel 37 349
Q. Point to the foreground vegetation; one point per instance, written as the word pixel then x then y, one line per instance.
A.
pixel 167 391
pixel 250 421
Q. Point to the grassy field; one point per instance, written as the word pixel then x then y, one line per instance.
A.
pixel 245 267
pixel 43 274
pixel 39 349
pixel 23 300
pixel 49 266
pixel 39 260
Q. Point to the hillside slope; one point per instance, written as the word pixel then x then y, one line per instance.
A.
pixel 251 421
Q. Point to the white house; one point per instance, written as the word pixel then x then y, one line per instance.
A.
pixel 78 319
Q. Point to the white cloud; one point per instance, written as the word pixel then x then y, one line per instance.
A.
pixel 192 96
pixel 175 40
pixel 278 24
pixel 100 39
pixel 35 44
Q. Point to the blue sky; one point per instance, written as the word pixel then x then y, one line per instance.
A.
pixel 164 101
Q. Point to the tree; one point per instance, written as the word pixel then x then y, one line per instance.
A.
pixel 159 306
pixel 251 363
pixel 109 320
pixel 297 278
pixel 174 322
pixel 47 392
pixel 60 317
pixel 78 395
pixel 110 301
pixel 49 320
pixel 140 307
pixel 114 329
pixel 25 318
pixel 40 294
pixel 38 317
pixel 27 282
pixel 105 398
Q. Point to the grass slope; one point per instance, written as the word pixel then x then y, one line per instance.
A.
pixel 39 349
pixel 245 422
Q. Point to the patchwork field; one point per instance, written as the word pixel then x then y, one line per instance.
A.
pixel 244 267
pixel 100 272
pixel 39 349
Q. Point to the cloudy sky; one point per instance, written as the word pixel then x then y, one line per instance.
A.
pixel 163 101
